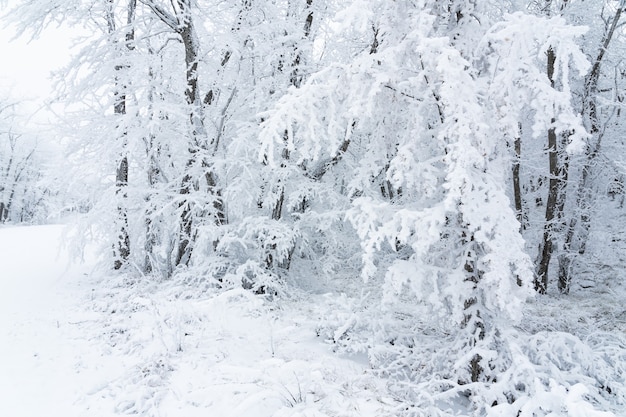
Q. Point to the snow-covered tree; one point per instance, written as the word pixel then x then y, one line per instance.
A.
pixel 24 193
pixel 552 202
pixel 415 131
pixel 391 149
pixel 596 117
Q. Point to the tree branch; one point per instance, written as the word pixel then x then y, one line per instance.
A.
pixel 166 17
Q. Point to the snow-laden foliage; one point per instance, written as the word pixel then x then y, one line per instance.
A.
pixel 428 193
pixel 370 150
pixel 517 49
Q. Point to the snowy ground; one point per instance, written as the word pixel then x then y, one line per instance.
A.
pixel 74 344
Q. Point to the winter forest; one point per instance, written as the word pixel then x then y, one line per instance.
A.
pixel 332 208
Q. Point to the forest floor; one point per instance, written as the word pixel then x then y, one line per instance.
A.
pixel 73 343
pixel 76 343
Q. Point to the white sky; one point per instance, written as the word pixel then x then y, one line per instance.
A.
pixel 25 65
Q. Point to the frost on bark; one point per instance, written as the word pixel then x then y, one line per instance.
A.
pixel 473 323
pixel 121 250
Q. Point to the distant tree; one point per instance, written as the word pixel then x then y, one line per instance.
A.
pixel 23 194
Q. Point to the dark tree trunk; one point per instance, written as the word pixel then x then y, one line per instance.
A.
pixel 558 167
pixel 545 251
pixel 517 189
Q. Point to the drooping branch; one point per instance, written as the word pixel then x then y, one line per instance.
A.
pixel 326 165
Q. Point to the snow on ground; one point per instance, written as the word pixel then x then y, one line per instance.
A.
pixel 73 343
pixel 40 348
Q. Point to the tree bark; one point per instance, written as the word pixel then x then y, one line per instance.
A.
pixel 5 182
pixel 473 321
pixel 200 148
pixel 517 189
pixel 121 250
pixel 296 73
pixel 295 80
pixel 558 167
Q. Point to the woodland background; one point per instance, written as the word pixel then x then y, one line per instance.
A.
pixel 451 172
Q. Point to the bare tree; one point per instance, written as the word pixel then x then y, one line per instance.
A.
pixel 578 227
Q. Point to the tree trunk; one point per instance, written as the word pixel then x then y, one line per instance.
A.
pixel 558 167
pixel 153 176
pixel 121 250
pixel 473 322
pixel 296 73
pixel 295 80
pixel 200 149
pixel 4 183
pixel 517 189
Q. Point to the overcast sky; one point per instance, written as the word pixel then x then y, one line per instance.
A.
pixel 25 65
